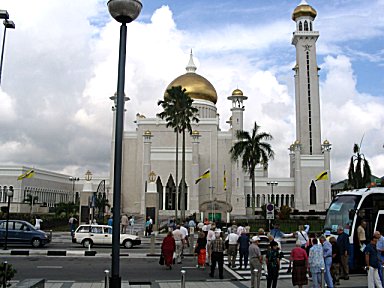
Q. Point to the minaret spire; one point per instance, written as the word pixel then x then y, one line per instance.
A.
pixel 191 67
pixel 303 2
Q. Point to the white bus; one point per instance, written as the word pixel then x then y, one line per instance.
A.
pixel 350 207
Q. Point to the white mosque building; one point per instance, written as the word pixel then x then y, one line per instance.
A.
pixel 149 151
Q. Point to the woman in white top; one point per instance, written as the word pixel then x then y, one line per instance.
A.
pixel 302 235
pixel 38 222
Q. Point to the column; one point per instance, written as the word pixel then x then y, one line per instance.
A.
pixel 193 191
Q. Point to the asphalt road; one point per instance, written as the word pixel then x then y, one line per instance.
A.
pixel 91 269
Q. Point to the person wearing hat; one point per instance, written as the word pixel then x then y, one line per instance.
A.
pixel 255 261
pixel 243 249
pixel 217 247
pixel 273 264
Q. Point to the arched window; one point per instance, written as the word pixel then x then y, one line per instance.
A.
pixel 305 25
pixel 292 201
pixel 300 26
pixel 312 193
pixel 287 200
pixel 310 26
pixel 248 200
pixel 263 200
pixel 159 188
pixel 282 200
pixel 258 201
pixel 277 200
pixel 272 198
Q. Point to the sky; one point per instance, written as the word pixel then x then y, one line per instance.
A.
pixel 60 68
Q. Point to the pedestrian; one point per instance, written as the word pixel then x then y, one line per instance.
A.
pixel 309 243
pixel 124 223
pixel 255 261
pixel 316 262
pixel 336 259
pixel 192 226
pixel 171 225
pixel 360 243
pixel 343 245
pixel 131 222
pixel 380 250
pixel 240 229
pixel 210 235
pixel 327 254
pixel 178 236
pixel 264 245
pixel 185 240
pixel 302 235
pixel 38 222
pixel 72 225
pixel 200 250
pixel 110 221
pixel 148 227
pixel 232 248
pixel 217 248
pixel 373 264
pixel 278 234
pixel 243 249
pixel 168 248
pixel 273 264
pixel 299 260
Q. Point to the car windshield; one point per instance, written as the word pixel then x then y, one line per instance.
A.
pixel 339 213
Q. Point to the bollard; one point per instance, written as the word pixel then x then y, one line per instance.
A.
pixel 106 284
pixel 50 235
pixel 182 278
pixel 192 243
pixel 89 247
pixel 322 277
pixel 255 271
pixel 152 243
pixel 4 284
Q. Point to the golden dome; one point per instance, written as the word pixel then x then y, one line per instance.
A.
pixel 326 142
pixel 195 132
pixel 147 133
pixel 197 87
pixel 303 9
pixel 237 92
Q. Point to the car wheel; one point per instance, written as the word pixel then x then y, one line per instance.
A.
pixel 36 243
pixel 128 244
pixel 87 242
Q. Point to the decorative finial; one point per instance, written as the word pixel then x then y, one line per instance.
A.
pixel 303 2
pixel 191 67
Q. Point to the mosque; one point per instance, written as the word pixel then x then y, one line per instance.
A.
pixel 149 151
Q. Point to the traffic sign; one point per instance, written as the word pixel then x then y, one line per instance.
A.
pixel 270 211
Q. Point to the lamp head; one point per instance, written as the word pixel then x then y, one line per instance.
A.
pixel 10 191
pixel 4 14
pixel 9 24
pixel 124 11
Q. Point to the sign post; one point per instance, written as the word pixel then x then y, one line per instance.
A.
pixel 270 213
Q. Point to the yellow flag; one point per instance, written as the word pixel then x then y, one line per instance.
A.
pixel 225 181
pixel 29 174
pixel 206 174
pixel 322 176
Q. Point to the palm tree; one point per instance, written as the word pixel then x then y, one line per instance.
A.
pixel 359 173
pixel 31 200
pixel 253 152
pixel 179 114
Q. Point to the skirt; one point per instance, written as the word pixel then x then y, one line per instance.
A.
pixel 201 257
pixel 299 273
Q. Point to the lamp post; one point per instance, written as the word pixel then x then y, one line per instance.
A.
pixel 7 24
pixel 123 11
pixel 73 180
pixel 9 193
pixel 272 183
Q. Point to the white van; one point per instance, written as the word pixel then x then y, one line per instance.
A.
pixel 379 224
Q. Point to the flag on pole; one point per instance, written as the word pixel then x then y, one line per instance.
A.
pixel 205 175
pixel 29 174
pixel 322 176
pixel 225 181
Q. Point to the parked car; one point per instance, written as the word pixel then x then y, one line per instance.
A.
pixel 89 235
pixel 22 232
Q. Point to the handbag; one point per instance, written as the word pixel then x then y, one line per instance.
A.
pixel 161 260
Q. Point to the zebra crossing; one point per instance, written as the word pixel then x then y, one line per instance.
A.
pixel 245 274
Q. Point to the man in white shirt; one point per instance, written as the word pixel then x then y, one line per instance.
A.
pixel 232 249
pixel 185 242
pixel 210 237
pixel 178 236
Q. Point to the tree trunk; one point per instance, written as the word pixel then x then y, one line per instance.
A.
pixel 182 195
pixel 253 192
pixel 177 175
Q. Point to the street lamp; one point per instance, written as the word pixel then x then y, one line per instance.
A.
pixel 73 180
pixel 7 24
pixel 272 183
pixel 9 193
pixel 123 11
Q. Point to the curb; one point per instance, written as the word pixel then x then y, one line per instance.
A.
pixel 50 253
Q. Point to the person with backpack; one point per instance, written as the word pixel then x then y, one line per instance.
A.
pixel 273 264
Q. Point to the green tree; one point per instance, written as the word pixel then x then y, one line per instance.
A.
pixel 8 275
pixel 66 209
pixel 359 173
pixel 253 151
pixel 31 200
pixel 179 113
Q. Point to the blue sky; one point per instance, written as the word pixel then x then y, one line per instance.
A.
pixel 59 72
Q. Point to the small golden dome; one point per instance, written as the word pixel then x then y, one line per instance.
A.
pixel 237 92
pixel 326 142
pixel 147 133
pixel 303 9
pixel 297 142
pixel 195 132
pixel 197 87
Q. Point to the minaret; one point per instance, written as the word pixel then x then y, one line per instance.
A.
pixel 308 131
pixel 237 196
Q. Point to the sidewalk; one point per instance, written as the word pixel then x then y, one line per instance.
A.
pixel 355 281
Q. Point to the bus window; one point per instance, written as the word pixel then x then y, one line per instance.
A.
pixel 380 222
